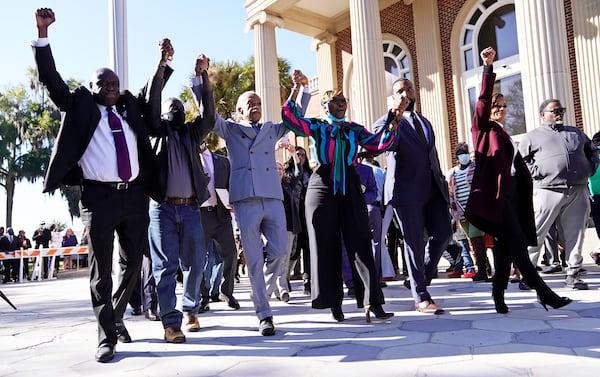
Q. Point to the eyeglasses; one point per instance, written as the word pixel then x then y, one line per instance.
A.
pixel 340 101
pixel 501 106
pixel 557 111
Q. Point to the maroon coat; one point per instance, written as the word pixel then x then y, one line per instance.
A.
pixel 492 178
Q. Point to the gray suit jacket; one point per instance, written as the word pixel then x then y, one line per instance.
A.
pixel 252 157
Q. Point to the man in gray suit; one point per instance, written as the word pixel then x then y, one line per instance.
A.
pixel 256 196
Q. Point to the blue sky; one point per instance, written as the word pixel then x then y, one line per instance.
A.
pixel 79 40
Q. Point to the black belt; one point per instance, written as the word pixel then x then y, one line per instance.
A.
pixel 182 201
pixel 114 185
pixel 209 208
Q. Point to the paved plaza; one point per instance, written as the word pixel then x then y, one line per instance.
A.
pixel 53 333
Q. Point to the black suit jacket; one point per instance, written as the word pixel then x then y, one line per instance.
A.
pixel 418 171
pixel 6 245
pixel 80 119
pixel 191 137
pixel 222 169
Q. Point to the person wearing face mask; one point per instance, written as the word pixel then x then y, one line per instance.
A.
pixel 179 187
pixel 560 158
pixel 335 205
pixel 500 202
pixel 459 187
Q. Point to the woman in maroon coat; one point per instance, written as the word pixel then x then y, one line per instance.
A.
pixel 500 202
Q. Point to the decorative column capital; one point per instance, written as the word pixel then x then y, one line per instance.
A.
pixel 263 17
pixel 324 38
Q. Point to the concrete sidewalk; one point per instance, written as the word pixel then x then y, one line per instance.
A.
pixel 53 332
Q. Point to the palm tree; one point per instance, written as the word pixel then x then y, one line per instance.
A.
pixel 27 129
pixel 229 80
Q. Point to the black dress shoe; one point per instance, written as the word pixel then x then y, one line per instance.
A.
pixel 136 311
pixel 524 286
pixel 266 327
pixel 230 300
pixel 407 283
pixel 552 269
pixel 337 313
pixel 152 315
pixel 122 333
pixel 105 353
pixel 215 298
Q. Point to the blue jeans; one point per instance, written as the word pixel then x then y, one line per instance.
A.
pixel 465 257
pixel 176 238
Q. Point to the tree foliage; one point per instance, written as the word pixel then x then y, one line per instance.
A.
pixel 29 123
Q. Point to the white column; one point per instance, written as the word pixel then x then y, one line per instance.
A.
pixel 265 63
pixel 117 42
pixel 431 79
pixel 544 55
pixel 367 57
pixel 324 45
pixel 586 23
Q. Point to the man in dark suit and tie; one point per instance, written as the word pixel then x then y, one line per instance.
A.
pixel 103 146
pixel 10 242
pixel 420 195
pixel 216 221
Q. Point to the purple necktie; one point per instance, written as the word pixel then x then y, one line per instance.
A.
pixel 116 128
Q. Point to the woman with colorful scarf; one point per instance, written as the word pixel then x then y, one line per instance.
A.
pixel 335 206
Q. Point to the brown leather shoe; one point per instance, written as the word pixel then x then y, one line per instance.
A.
pixel 428 307
pixel 192 324
pixel 174 335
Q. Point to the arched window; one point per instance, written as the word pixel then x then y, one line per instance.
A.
pixel 493 23
pixel 397 65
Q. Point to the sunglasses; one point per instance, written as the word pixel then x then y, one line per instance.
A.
pixel 340 101
pixel 557 111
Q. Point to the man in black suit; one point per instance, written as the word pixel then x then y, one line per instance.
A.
pixel 420 195
pixel 10 242
pixel 103 146
pixel 216 221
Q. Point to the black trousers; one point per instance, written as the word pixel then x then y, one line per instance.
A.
pixel 104 211
pixel 222 233
pixel 510 245
pixel 330 217
pixel 144 291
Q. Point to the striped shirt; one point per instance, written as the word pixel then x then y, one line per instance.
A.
pixel 336 144
pixel 462 188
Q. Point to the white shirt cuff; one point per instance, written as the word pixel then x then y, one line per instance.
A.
pixel 196 80
pixel 40 42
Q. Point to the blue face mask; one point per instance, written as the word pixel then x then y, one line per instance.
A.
pixel 463 159
pixel 335 119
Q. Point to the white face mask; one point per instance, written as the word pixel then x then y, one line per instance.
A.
pixel 464 159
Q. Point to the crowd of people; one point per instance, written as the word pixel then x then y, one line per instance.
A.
pixel 43 237
pixel 342 219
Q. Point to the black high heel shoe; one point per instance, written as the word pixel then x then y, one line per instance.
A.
pixel 499 304
pixel 555 303
pixel 378 311
pixel 337 313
